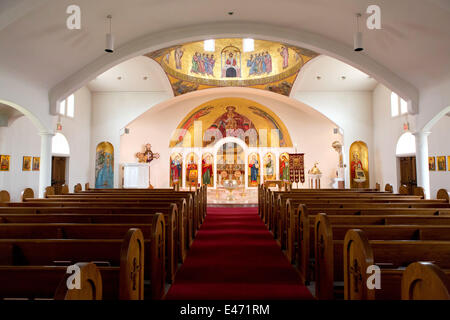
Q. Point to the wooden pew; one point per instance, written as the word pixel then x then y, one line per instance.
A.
pixel 4 196
pixel 199 198
pixel 287 225
pixel 49 282
pixel 277 214
pixel 328 242
pixel 181 223
pixel 443 194
pixel 392 256
pixel 425 281
pixel 187 208
pixel 26 194
pixel 125 275
pixel 301 246
pixel 173 238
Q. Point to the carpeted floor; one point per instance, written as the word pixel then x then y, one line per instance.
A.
pixel 235 257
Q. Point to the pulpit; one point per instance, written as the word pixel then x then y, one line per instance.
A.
pixel 136 175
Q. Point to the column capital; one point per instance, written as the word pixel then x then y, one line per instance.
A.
pixel 46 133
pixel 421 133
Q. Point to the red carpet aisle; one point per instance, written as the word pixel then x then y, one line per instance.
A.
pixel 235 257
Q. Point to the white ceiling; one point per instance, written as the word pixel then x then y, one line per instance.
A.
pixel 132 74
pixel 36 45
pixel 331 72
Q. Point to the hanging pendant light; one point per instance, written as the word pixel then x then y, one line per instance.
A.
pixel 110 37
pixel 357 38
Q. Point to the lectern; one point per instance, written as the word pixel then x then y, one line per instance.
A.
pixel 136 176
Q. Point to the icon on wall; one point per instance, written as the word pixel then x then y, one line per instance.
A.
pixel 441 163
pixel 36 163
pixel 26 164
pixel 4 162
pixel 432 163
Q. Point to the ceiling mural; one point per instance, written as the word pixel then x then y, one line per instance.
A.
pixel 269 66
pixel 244 119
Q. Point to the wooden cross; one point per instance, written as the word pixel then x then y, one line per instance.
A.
pixel 148 155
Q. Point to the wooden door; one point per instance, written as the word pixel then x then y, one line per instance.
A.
pixel 408 175
pixel 58 173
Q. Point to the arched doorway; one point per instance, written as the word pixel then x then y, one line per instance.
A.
pixel 406 155
pixel 60 162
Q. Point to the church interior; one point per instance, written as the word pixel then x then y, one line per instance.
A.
pixel 293 151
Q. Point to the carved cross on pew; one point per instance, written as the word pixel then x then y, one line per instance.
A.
pixel 135 272
pixel 321 246
pixel 355 270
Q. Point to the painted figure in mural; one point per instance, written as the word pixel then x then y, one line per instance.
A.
pixel 231 66
pixel 192 171
pixel 104 171
pixel 203 64
pixel 260 63
pixel 175 169
pixel 285 54
pixel 178 54
pixel 232 123
pixel 268 62
pixel 284 168
pixel 254 169
pixel 207 169
pixel 269 167
pixel 354 165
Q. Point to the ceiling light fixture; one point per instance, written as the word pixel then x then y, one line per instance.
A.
pixel 109 37
pixel 357 37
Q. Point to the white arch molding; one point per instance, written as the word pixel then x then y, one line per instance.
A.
pixel 155 41
pixel 45 171
pixel 423 172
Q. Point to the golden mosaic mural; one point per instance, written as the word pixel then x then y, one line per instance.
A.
pixel 270 66
pixel 241 118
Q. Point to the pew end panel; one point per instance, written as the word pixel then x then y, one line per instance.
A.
pixel 358 255
pixel 131 281
pixel 4 196
pixel 91 285
pixel 26 194
pixel 303 252
pixel 425 281
pixel 157 257
pixel 323 254
pixel 443 194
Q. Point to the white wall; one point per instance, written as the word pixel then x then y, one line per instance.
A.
pixel 20 139
pixel 311 131
pixel 386 132
pixel 77 131
pixel 112 111
pixel 438 145
pixel 352 112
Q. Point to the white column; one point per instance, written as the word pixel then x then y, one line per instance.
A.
pixel 423 174
pixel 45 170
